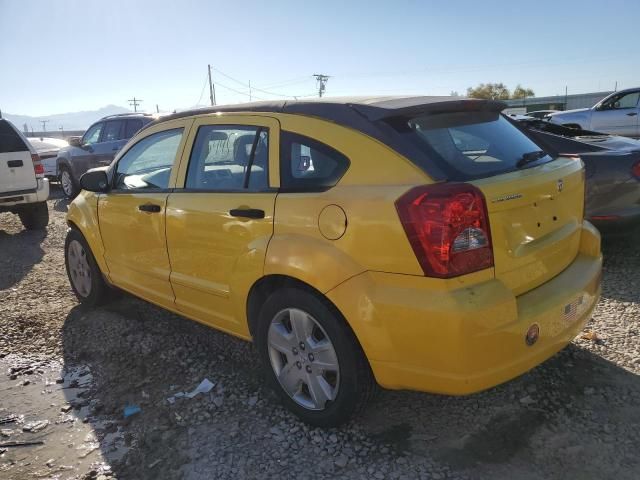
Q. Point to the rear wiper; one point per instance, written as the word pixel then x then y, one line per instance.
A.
pixel 530 157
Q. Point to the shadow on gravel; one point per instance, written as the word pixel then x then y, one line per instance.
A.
pixel 565 419
pixel 19 252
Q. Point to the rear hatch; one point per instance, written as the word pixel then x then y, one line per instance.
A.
pixel 16 164
pixel 535 217
pixel 534 202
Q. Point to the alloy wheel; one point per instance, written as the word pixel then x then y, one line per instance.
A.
pixel 79 269
pixel 67 183
pixel 303 359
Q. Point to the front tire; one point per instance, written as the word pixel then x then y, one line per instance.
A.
pixel 84 274
pixel 312 359
pixel 34 216
pixel 67 182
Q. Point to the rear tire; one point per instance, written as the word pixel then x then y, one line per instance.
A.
pixel 69 186
pixel 328 365
pixel 34 216
pixel 84 274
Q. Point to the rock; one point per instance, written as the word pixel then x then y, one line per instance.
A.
pixel 341 461
pixel 527 400
pixel 252 401
pixel 36 426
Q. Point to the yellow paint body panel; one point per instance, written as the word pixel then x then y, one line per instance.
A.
pixel 452 336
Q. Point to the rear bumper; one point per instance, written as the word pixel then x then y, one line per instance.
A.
pixel 9 201
pixel 464 335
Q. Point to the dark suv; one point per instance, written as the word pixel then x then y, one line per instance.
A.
pixel 96 147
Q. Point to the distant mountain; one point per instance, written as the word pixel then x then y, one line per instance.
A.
pixel 69 121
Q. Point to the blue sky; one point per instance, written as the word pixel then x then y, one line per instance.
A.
pixel 68 55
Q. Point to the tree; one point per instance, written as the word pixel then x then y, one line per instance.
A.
pixel 521 92
pixel 489 91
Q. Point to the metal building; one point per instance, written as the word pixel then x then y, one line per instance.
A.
pixel 558 102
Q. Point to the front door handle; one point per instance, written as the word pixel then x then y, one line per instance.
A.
pixel 247 212
pixel 632 114
pixel 149 207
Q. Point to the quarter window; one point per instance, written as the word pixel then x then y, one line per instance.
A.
pixel 92 135
pixel 147 165
pixel 229 157
pixel 306 164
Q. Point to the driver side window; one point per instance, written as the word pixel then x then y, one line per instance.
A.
pixel 147 165
pixel 630 100
pixel 92 135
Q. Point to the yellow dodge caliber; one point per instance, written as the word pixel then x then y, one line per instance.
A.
pixel 422 243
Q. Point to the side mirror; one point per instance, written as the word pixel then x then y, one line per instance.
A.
pixel 95 180
pixel 75 141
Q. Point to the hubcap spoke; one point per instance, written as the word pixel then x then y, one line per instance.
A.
pixel 289 379
pixel 302 324
pixel 320 390
pixel 280 339
pixel 325 355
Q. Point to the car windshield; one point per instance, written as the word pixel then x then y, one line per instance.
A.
pixel 468 145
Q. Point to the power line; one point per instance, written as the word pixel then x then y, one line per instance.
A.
pixel 266 92
pixel 134 102
pixel 202 91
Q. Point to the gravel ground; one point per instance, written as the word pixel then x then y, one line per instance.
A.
pixel 575 416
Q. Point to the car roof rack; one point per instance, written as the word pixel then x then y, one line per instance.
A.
pixel 131 114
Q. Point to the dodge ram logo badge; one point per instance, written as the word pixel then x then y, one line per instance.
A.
pixel 560 185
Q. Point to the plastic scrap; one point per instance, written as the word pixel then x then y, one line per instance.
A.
pixel 205 387
pixel 130 410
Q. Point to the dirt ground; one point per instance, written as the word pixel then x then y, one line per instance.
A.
pixel 69 373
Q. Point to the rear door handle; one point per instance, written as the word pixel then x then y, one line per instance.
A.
pixel 247 212
pixel 149 207
pixel 14 163
pixel 632 114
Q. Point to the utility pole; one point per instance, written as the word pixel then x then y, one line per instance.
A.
pixel 250 90
pixel 134 102
pixel 322 82
pixel 44 125
pixel 61 127
pixel 615 90
pixel 566 93
pixel 157 108
pixel 212 88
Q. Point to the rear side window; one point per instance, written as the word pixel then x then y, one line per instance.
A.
pixel 112 131
pixel 309 165
pixel 10 141
pixel 147 165
pixel 229 157
pixel 468 145
pixel 132 127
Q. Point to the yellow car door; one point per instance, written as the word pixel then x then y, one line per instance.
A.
pixel 220 216
pixel 132 214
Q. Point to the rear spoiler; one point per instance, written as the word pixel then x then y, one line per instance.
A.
pixel 378 112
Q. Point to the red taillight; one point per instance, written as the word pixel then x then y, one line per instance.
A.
pixel 635 170
pixel 448 227
pixel 37 165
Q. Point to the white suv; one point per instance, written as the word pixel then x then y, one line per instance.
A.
pixel 23 188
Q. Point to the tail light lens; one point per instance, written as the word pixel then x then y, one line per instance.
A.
pixel 448 228
pixel 37 164
pixel 635 170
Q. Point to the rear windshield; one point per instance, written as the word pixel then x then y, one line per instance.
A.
pixel 468 145
pixel 10 141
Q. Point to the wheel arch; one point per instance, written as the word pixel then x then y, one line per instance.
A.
pixel 269 284
pixel 83 217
